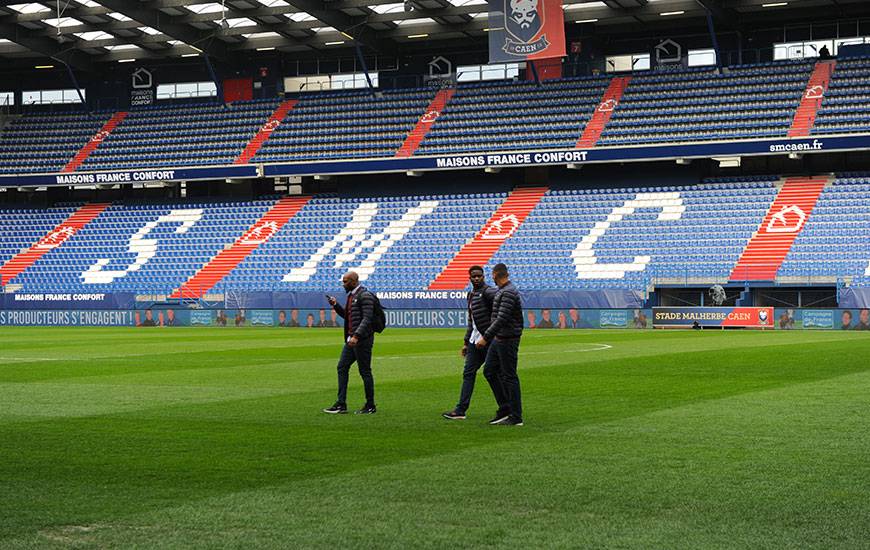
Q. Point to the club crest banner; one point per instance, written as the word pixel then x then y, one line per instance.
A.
pixel 525 29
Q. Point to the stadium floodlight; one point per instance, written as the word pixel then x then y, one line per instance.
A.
pixel 728 162
pixel 414 173
pixel 795 156
pixel 684 162
pixel 492 169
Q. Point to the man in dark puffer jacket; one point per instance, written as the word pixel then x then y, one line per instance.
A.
pixel 479 313
pixel 504 332
pixel 359 337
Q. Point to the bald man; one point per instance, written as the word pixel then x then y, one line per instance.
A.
pixel 359 337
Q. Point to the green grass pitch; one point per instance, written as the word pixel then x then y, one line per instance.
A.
pixel 198 438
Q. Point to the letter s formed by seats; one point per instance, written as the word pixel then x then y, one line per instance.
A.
pixel 585 261
pixel 143 248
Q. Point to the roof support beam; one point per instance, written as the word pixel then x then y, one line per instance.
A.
pixel 729 18
pixel 45 46
pixel 154 18
pixel 355 27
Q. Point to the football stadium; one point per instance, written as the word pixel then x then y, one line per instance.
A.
pixel 434 274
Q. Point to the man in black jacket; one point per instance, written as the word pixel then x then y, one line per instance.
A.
pixel 359 337
pixel 479 313
pixel 505 330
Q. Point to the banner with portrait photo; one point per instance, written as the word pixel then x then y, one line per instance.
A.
pixel 573 318
pixel 521 30
pixel 851 319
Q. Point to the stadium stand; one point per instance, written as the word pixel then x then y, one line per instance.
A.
pixel 751 101
pixel 570 239
pixel 775 99
pixel 181 134
pixel 21 228
pixel 600 238
pixel 846 108
pixel 46 142
pixel 836 239
pixel 507 115
pixel 139 248
pixel 347 124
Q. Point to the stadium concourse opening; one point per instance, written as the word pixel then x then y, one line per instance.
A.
pixel 211 211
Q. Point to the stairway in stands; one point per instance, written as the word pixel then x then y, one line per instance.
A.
pixel 805 117
pixel 503 223
pixel 785 219
pixel 265 131
pixel 602 114
pixel 59 235
pixel 95 141
pixel 227 259
pixel 433 111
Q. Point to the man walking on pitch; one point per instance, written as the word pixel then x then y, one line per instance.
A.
pixel 504 332
pixel 479 313
pixel 359 337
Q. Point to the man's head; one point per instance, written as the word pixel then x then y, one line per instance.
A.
pixel 562 319
pixel 545 314
pixel 350 280
pixel 574 314
pixel 847 318
pixel 282 316
pixel 864 316
pixel 309 321
pixel 294 314
pixel 170 314
pixel 530 315
pixel 500 274
pixel 475 275
pixel 149 314
pixel 323 315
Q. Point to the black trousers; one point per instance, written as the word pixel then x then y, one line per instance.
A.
pixel 500 371
pixel 361 354
pixel 474 359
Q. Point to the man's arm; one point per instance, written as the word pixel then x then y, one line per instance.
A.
pixel 338 309
pixel 468 328
pixel 367 304
pixel 489 295
pixel 505 307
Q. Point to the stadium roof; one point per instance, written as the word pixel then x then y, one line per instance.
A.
pixel 88 32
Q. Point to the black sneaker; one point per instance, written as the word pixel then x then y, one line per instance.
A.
pixel 367 409
pixel 454 415
pixel 338 408
pixel 509 421
pixel 500 417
